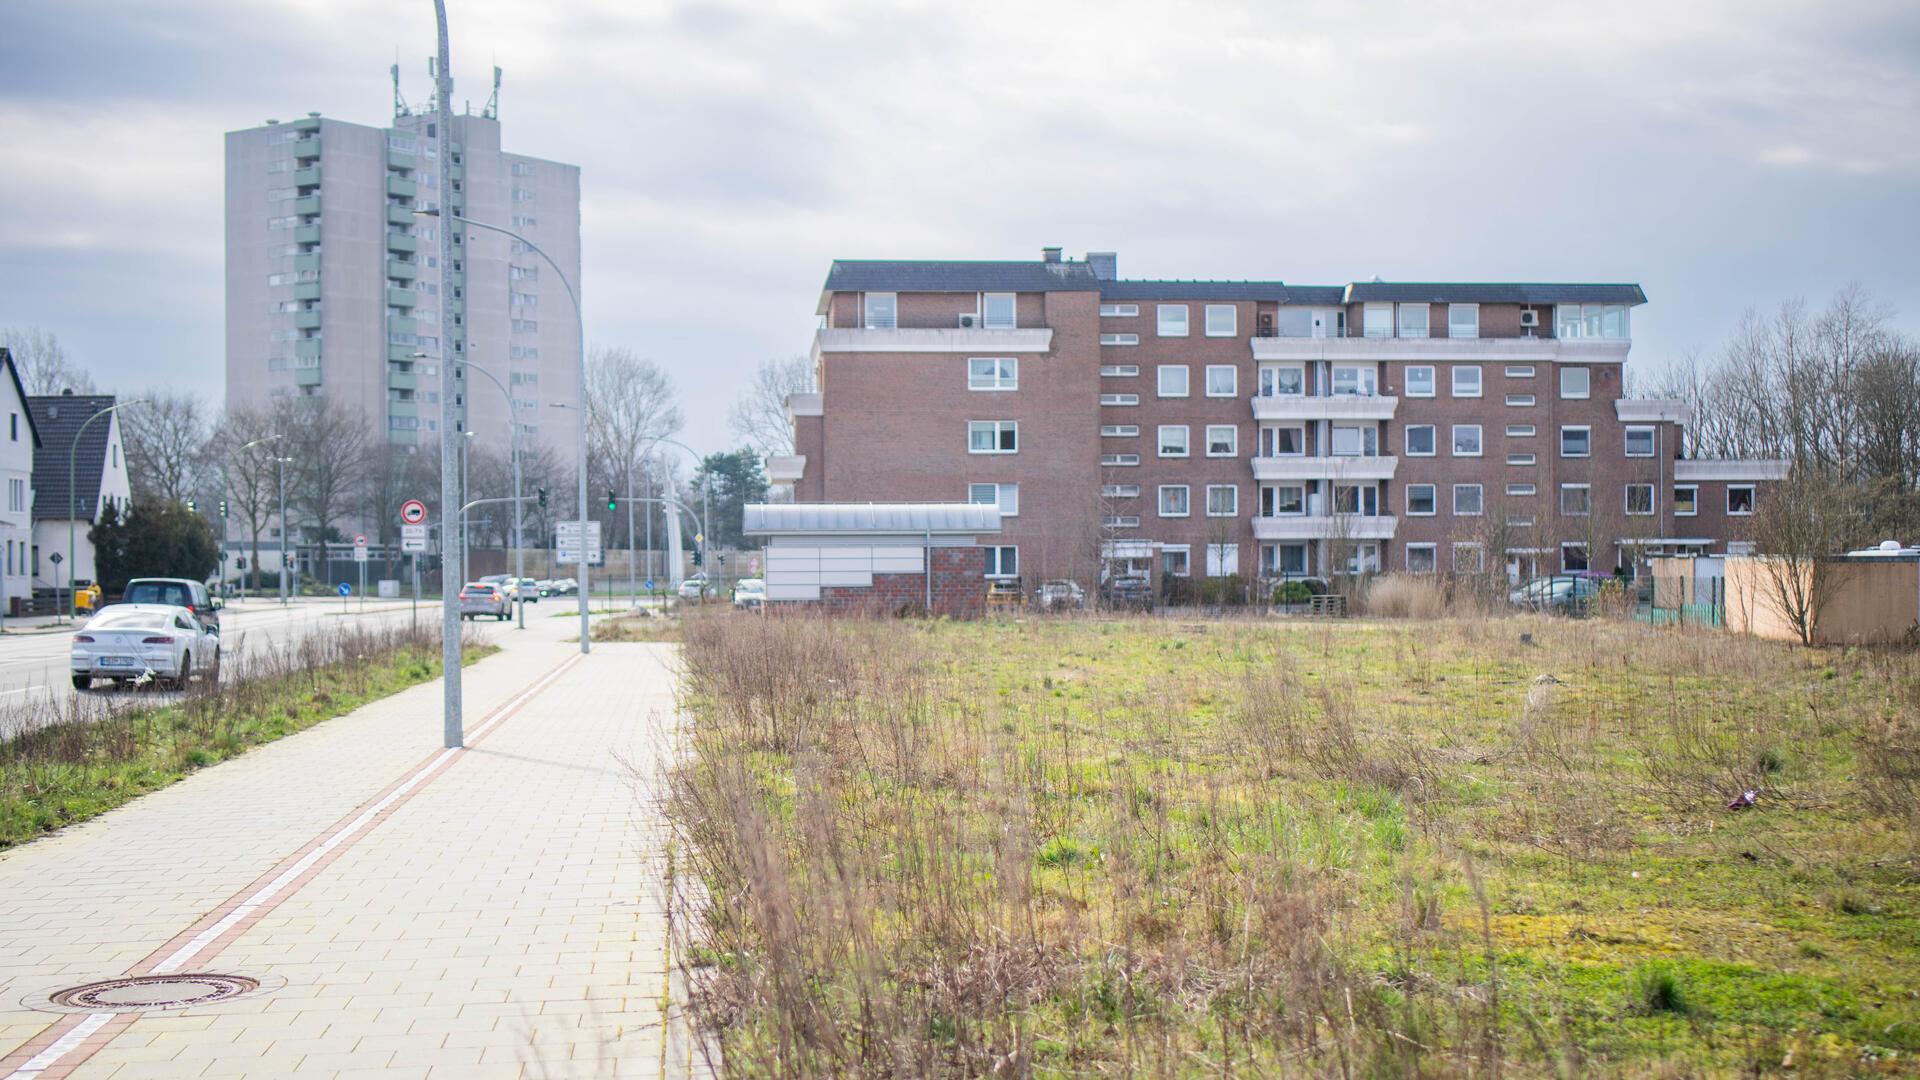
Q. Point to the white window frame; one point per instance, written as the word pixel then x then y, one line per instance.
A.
pixel 1171 320
pixel 1119 339
pixel 1160 500
pixel 1454 325
pixel 1586 557
pixel 1433 500
pixel 1299 486
pixel 1433 436
pixel 1567 429
pixel 866 310
pixel 1160 381
pixel 1119 311
pixel 1233 440
pixel 1232 313
pixel 1480 494
pixel 1185 552
pixel 1521 431
pixel 1522 491
pixel 1626 500
pixel 1753 498
pixel 1644 430
pixel 1233 509
pixel 1432 381
pixel 1233 381
pixel 1186 441
pixel 1381 327
pixel 1117 400
pixel 1005 496
pixel 1119 371
pixel 1401 327
pixel 1521 459
pixel 1479 558
pixel 1693 500
pixel 1585 390
pixel 1364 374
pixel 998 556
pixel 1119 461
pixel 1479 382
pixel 987 319
pixel 1223 560
pixel 1119 491
pixel 1119 431
pixel 1479 441
pixel 999 427
pixel 1521 401
pixel 1269 377
pixel 1432 552
pixel 1301 442
pixel 1586 491
pixel 1519 371
pixel 1001 376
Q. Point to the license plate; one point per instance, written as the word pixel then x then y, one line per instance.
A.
pixel 116 661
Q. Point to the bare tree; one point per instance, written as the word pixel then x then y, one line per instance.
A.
pixel 248 475
pixel 330 446
pixel 1797 529
pixel 760 416
pixel 44 367
pixel 631 404
pixel 166 441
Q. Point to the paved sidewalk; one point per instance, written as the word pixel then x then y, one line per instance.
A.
pixel 495 911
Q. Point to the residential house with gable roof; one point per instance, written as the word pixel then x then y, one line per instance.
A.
pixel 73 444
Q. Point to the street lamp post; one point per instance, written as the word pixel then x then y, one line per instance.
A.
pixel 513 451
pixel 580 366
pixel 73 508
pixel 452 733
pixel 280 476
pixel 244 447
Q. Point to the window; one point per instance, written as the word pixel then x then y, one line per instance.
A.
pixel 1378 320
pixel 1223 380
pixel 1174 500
pixel 993 373
pixel 1355 380
pixel 1176 560
pixel 882 311
pixel 1119 460
pixel 1639 442
pixel 1005 496
pixel 1282 381
pixel 1283 441
pixel 1576 441
pixel 1223 500
pixel 1520 431
pixel 1520 401
pixel 1686 500
pixel 1223 440
pixel 1575 500
pixel 1283 500
pixel 1739 500
pixel 1223 559
pixel 1421 558
pixel 1420 381
pixel 1222 320
pixel 1356 499
pixel 1119 491
pixel 1466 440
pixel 1119 339
pixel 1519 371
pixel 1173 380
pixel 1119 431
pixel 16 494
pixel 1413 320
pixel 1590 320
pixel 1466 380
pixel 1468 500
pixel 1469 558
pixel 1350 441
pixel 993 436
pixel 1420 500
pixel 1173 320
pixel 1003 561
pixel 1575 383
pixel 997 311
pixel 1173 440
pixel 1119 311
pixel 1119 371
pixel 13 426
pixel 1522 459
pixel 1639 499
pixel 1283 559
pixel 1119 399
pixel 1420 440
pixel 1521 491
pixel 1573 557
pixel 1365 559
pixel 1463 320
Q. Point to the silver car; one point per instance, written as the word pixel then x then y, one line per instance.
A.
pixel 480 599
pixel 164 644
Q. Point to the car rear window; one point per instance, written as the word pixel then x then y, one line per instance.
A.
pixel 127 620
pixel 158 592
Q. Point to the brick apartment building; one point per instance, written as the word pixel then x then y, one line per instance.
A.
pixel 1254 428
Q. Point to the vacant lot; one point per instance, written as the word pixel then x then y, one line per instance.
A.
pixel 1353 848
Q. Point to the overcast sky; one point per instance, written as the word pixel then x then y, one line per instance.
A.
pixel 1724 155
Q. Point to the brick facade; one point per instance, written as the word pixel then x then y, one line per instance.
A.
pixel 959 589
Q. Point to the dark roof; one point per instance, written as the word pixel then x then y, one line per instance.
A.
pixel 1320 295
pixel 1193 290
pixel 958 275
pixel 13 370
pixel 1467 292
pixel 58 417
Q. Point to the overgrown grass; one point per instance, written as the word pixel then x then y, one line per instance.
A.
pixel 1108 847
pixel 649 627
pixel 65 762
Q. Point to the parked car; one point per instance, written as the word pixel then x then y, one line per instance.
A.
pixel 750 593
pixel 565 586
pixel 480 598
pixel 548 588
pixel 181 592
pixel 1561 593
pixel 695 588
pixel 1060 594
pixel 1130 591
pixel 126 642
pixel 527 589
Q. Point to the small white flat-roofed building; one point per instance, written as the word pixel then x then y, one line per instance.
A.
pixel 882 556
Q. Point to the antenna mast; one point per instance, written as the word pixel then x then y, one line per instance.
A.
pixel 399 103
pixel 493 103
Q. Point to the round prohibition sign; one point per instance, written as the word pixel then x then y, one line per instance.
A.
pixel 413 512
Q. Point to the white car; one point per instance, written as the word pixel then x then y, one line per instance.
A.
pixel 695 587
pixel 128 642
pixel 750 593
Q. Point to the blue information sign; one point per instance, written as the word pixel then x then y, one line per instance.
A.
pixel 649 584
pixel 345 589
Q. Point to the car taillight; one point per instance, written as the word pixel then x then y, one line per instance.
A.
pixel 83 639
pixel 160 639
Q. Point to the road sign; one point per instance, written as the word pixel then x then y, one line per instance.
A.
pixel 57 558
pixel 413 538
pixel 360 553
pixel 413 512
pixel 360 540
pixel 344 589
pixel 567 536
pixel 649 584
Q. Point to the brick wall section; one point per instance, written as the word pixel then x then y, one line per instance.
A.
pixel 959 589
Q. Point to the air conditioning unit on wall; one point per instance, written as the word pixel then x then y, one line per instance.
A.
pixel 1529 317
pixel 969 321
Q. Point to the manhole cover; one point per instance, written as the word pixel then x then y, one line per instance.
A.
pixel 138 992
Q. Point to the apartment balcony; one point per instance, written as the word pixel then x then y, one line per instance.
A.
pixel 308 261
pixel 401 298
pixel 402 380
pixel 401 324
pixel 399 241
pixel 310 123
pixel 307 348
pixel 307 290
pixel 307 205
pixel 306 234
pixel 402 353
pixel 977 340
pixel 1323 407
pixel 1516 350
pixel 1324 527
pixel 306 149
pixel 455 278
pixel 400 270
pixel 399 215
pixel 307 376
pixel 404 189
pixel 306 320
pixel 397 407
pixel 400 159
pixel 1337 467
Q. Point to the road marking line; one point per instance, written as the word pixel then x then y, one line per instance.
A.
pixel 256 905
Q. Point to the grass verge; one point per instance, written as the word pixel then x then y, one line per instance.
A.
pixel 1146 846
pixel 62 763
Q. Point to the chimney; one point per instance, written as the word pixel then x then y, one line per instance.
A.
pixel 1050 254
pixel 1106 264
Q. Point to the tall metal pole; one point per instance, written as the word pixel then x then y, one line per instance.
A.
pixel 280 477
pixel 513 450
pixel 452 573
pixel 632 591
pixel 73 508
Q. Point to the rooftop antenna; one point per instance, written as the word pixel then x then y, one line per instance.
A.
pixel 433 73
pixel 492 111
pixel 399 103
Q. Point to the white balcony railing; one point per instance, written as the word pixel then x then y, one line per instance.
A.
pixel 1323 407
pixel 1329 467
pixel 1324 527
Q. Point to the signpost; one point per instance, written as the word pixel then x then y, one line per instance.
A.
pixel 567 538
pixel 360 556
pixel 413 542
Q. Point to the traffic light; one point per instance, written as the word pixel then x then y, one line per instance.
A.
pixel 223 508
pixel 697 558
pixel 191 508
pixel 613 503
pixel 543 497
pixel 721 558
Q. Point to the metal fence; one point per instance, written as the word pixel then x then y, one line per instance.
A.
pixel 1685 601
